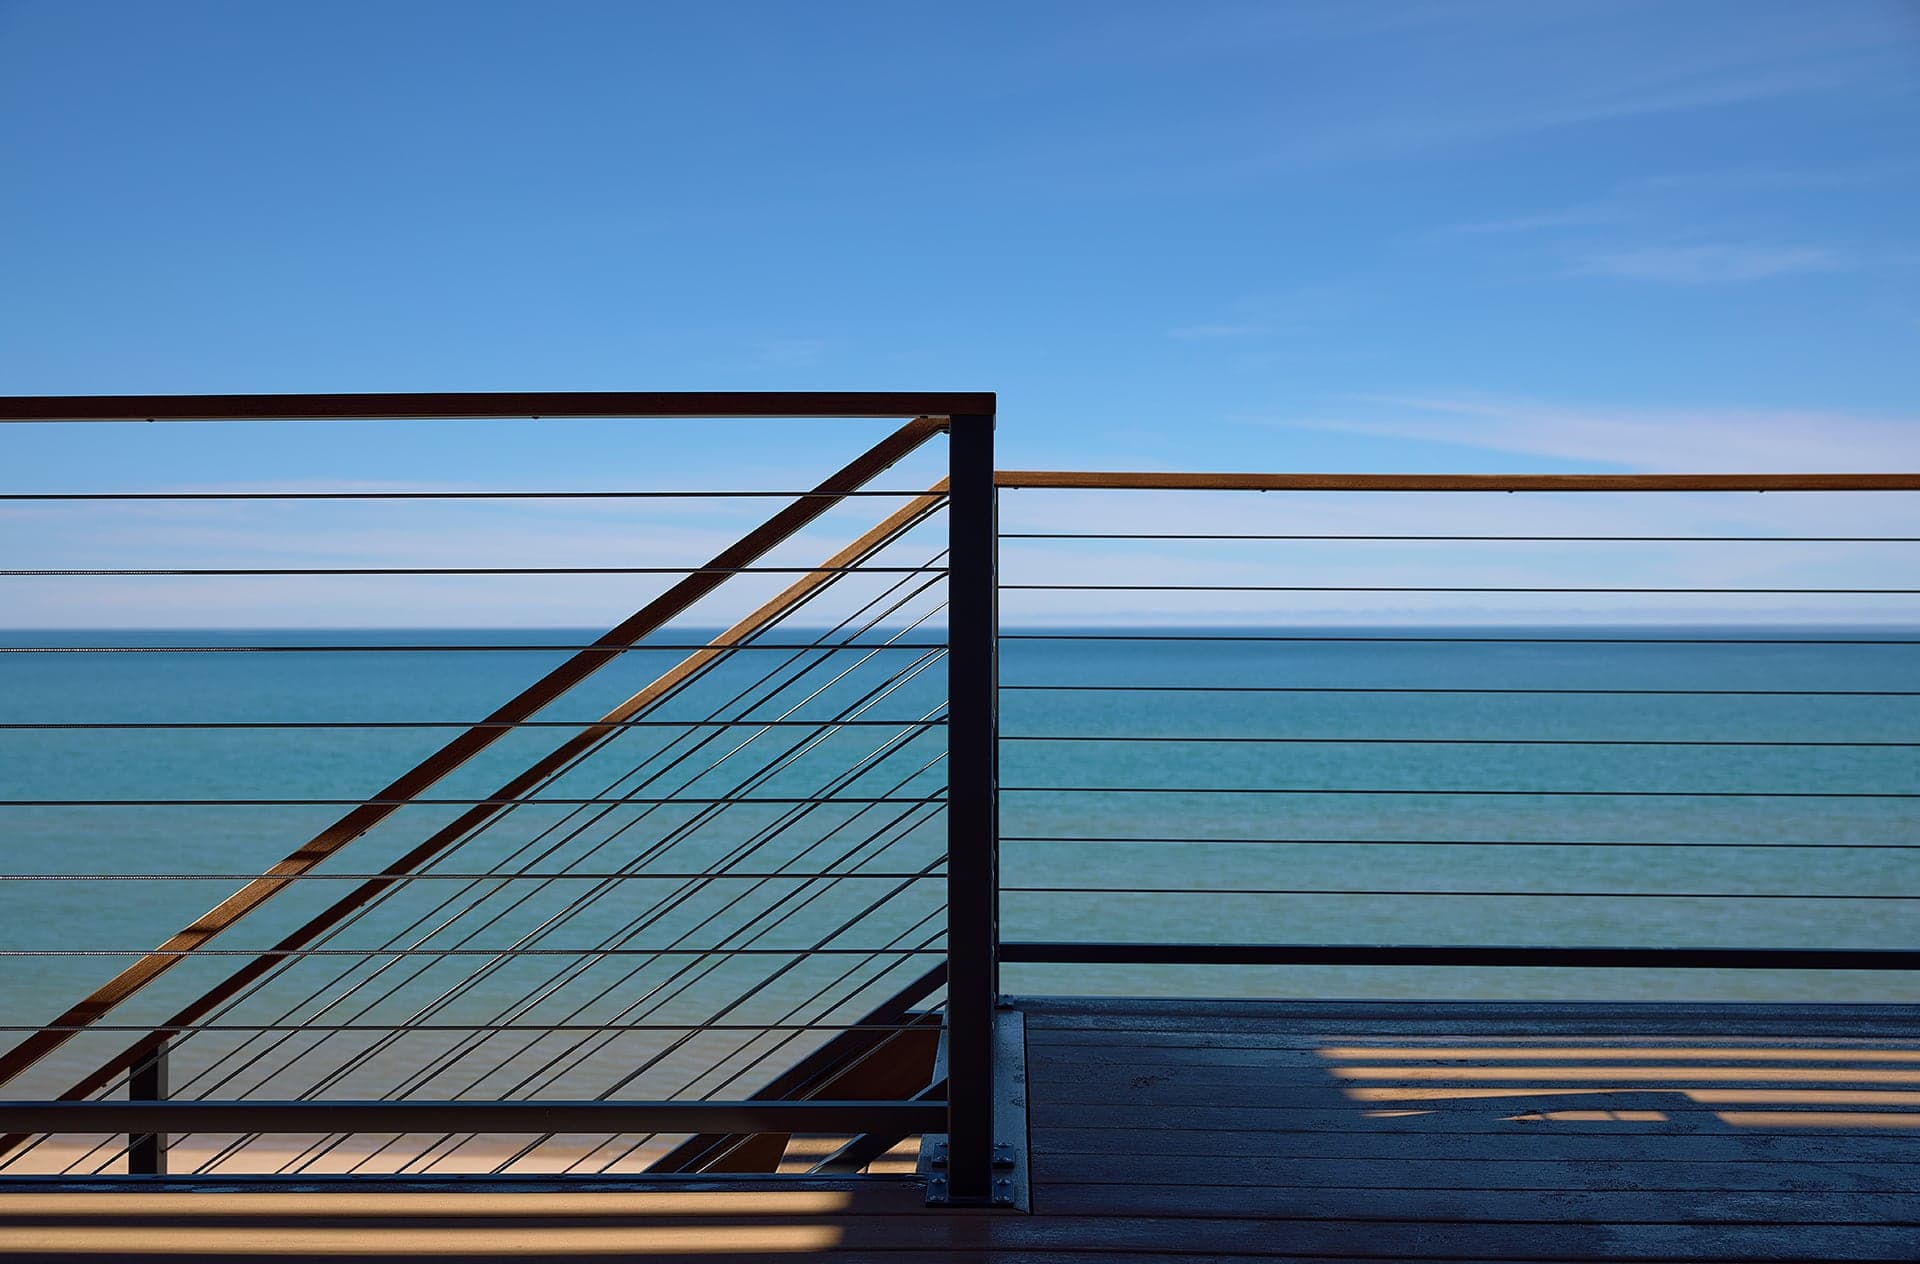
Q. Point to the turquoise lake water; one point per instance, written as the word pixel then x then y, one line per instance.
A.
pixel 1170 815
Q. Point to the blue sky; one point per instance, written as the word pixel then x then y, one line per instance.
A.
pixel 1393 236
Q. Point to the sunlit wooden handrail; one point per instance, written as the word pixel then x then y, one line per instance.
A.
pixel 1165 480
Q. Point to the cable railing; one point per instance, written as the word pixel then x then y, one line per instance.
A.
pixel 719 890
pixel 684 904
pixel 1493 732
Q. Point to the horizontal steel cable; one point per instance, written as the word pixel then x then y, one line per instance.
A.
pixel 1571 895
pixel 1448 588
pixel 403 879
pixel 206 572
pixel 1445 639
pixel 808 494
pixel 402 647
pixel 1005 737
pixel 410 1027
pixel 418 802
pixel 1403 790
pixel 743 722
pixel 1513 539
pixel 1422 689
pixel 1449 842
pixel 1443 741
pixel 416 952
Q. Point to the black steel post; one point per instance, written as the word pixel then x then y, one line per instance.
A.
pixel 973 810
pixel 147 1151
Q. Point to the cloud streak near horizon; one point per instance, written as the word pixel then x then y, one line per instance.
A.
pixel 1709 264
pixel 1652 440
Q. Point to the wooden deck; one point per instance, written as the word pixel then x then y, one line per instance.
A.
pixel 1233 1130
pixel 1479 1132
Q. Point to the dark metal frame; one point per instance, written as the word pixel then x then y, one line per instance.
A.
pixel 147 1151
pixel 973 810
pixel 968 1111
pixel 1054 952
pixel 476 405
pixel 151 1117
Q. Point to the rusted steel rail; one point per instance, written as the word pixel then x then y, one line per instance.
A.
pixel 474 405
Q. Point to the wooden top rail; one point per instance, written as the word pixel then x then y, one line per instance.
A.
pixel 474 405
pixel 1157 480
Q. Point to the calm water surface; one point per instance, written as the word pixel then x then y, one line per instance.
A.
pixel 1349 829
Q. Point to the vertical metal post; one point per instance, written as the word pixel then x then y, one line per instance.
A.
pixel 973 807
pixel 147 1151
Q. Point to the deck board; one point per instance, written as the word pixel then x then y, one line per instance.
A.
pixel 1498 1132
pixel 1225 1131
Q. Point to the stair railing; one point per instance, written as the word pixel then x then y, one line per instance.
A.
pixel 969 798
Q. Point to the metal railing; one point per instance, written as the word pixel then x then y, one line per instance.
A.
pixel 718 909
pixel 719 920
pixel 1306 786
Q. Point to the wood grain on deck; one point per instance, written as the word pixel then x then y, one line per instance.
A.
pixel 1232 1130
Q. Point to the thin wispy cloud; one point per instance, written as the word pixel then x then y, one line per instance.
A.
pixel 1746 178
pixel 1427 78
pixel 1709 264
pixel 1657 440
pixel 1571 217
pixel 1262 317
pixel 1560 76
pixel 1211 332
